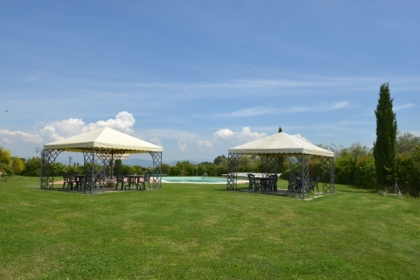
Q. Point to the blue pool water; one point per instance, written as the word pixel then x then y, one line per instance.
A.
pixel 194 179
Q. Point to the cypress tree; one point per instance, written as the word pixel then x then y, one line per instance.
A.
pixel 384 148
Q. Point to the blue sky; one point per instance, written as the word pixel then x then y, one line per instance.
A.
pixel 199 77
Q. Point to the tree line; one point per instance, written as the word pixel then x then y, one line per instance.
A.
pixel 354 165
pixel 394 154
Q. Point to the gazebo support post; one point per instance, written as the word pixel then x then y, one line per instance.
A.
pixel 98 158
pixel 48 158
pixel 232 176
pixel 157 169
pixel 331 187
pixel 305 176
pixel 299 167
pixel 92 171
pixel 327 175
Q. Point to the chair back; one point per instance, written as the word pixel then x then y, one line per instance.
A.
pixel 65 176
pixel 251 178
pixel 120 177
pixel 147 176
pixel 273 179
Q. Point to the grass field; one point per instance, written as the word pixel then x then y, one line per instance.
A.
pixel 188 231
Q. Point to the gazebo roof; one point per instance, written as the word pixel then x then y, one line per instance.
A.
pixel 104 138
pixel 280 143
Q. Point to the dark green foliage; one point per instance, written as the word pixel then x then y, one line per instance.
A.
pixel 5 168
pixel 408 171
pixel 364 175
pixel 384 150
pixel 165 168
pixel 118 166
pixel 344 169
pixel 32 167
pixel 219 159
pixel 280 129
pixel 175 171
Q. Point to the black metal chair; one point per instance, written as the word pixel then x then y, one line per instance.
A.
pixel 295 184
pixel 272 182
pixel 72 179
pixel 80 181
pixel 252 182
pixel 146 179
pixel 67 181
pixel 120 181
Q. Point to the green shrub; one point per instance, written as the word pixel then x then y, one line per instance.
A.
pixel 365 172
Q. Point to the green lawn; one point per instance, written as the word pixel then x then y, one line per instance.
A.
pixel 187 231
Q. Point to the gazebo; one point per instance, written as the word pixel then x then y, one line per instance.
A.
pixel 100 148
pixel 299 153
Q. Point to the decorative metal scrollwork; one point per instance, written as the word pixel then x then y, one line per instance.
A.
pixel 157 169
pixel 47 168
pixel 232 176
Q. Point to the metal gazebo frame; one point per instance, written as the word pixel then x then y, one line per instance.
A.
pixel 100 148
pixel 298 151
pixel 299 167
pixel 96 162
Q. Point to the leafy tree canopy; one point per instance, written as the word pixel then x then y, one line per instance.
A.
pixel 406 142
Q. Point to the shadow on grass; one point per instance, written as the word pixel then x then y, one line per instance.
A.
pixel 281 192
pixel 354 189
pixel 50 189
pixel 357 191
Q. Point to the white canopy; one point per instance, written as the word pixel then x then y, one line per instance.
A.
pixel 106 138
pixel 280 143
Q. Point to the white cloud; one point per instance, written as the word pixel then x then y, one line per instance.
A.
pixel 204 143
pixel 156 141
pixel 404 106
pixel 295 81
pixel 245 134
pixel 7 141
pixel 301 138
pixel 339 105
pixel 223 133
pixel 19 136
pixel 320 107
pixel 62 129
pixel 182 145
pixel 191 145
pixel 350 122
pixel 123 121
pixel 329 135
pixel 248 112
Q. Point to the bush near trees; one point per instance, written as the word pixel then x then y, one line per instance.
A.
pixel 5 157
pixel 17 165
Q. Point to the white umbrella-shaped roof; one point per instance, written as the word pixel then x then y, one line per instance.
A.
pixel 280 143
pixel 105 138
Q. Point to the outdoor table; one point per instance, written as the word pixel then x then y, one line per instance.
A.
pixel 263 181
pixel 133 179
pixel 80 180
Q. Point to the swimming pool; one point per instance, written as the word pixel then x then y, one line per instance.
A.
pixel 194 179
